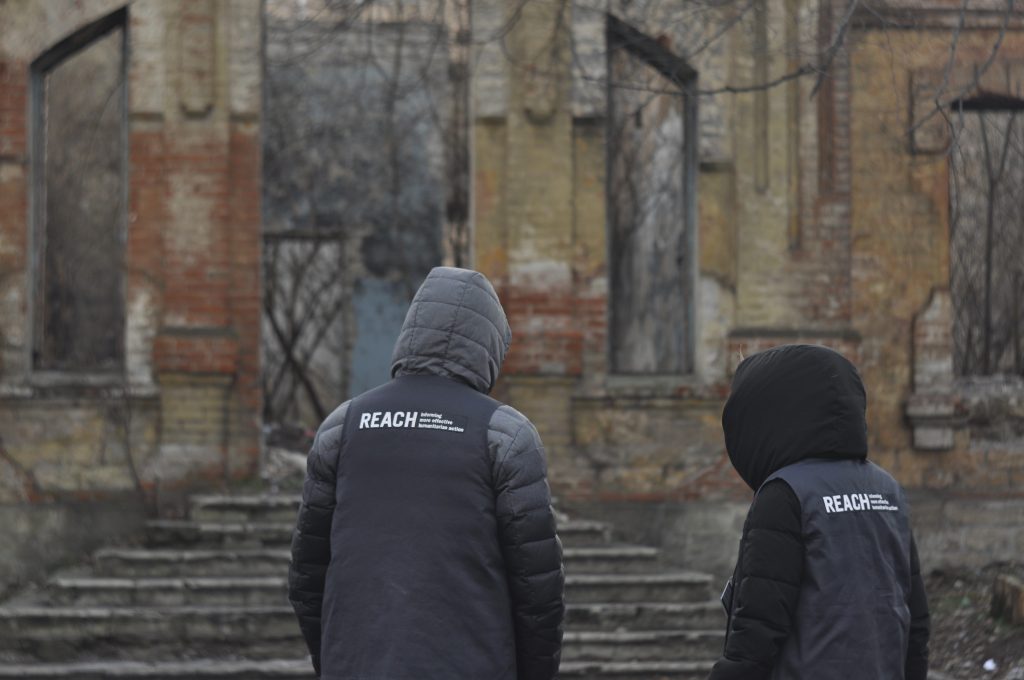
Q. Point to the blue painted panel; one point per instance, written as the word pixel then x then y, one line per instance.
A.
pixel 379 307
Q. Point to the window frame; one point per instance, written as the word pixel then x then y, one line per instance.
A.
pixel 39 69
pixel 675 69
pixel 979 104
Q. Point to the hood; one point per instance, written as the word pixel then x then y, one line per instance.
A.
pixel 456 328
pixel 790 403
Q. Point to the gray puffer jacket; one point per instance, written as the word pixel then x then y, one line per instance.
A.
pixel 426 544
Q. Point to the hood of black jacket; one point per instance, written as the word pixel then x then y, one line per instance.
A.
pixel 790 403
pixel 456 328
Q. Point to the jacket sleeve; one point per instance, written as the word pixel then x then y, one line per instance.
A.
pixel 766 587
pixel 533 553
pixel 920 622
pixel 311 541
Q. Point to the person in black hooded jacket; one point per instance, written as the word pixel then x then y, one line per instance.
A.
pixel 425 547
pixel 827 584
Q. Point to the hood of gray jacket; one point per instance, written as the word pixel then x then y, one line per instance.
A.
pixel 456 328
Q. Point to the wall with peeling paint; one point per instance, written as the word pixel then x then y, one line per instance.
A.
pixel 182 411
pixel 820 219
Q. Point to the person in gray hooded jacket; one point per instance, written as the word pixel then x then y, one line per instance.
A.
pixel 426 546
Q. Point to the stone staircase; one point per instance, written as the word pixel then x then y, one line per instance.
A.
pixel 205 598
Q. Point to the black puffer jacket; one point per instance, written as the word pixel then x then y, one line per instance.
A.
pixel 426 546
pixel 787 405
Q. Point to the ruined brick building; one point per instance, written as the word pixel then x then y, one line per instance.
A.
pixel 130 191
pixel 851 218
pixel 648 208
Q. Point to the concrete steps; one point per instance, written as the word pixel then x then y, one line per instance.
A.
pixel 637 670
pixel 255 508
pixel 131 633
pixel 299 668
pixel 39 626
pixel 660 587
pixel 147 634
pixel 640 645
pixel 168 532
pixel 706 615
pixel 92 591
pixel 205 597
pixel 200 562
pixel 202 669
pixel 249 508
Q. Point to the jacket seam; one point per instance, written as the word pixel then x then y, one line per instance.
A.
pixel 512 413
pixel 447 364
pixel 513 528
pixel 478 313
pixel 455 320
pixel 470 280
pixel 414 326
pixel 456 333
pixel 511 444
pixel 319 437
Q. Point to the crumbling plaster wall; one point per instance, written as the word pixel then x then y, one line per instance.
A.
pixel 184 409
pixel 817 222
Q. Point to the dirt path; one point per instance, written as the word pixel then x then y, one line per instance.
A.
pixel 964 636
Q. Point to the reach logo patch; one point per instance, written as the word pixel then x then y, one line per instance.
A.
pixel 857 502
pixel 416 420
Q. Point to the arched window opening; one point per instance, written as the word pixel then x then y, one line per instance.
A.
pixel 652 166
pixel 987 235
pixel 79 148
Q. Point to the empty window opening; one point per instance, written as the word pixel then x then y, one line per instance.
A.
pixel 79 152
pixel 651 173
pixel 987 236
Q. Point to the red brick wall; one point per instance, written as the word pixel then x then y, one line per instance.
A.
pixel 13 149
pixel 548 338
pixel 245 295
pixel 190 393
